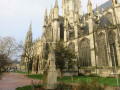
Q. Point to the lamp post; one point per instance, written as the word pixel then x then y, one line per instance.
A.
pixel 116 71
pixel 118 31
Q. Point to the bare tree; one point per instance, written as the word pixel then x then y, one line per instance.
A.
pixel 8 50
pixel 8 46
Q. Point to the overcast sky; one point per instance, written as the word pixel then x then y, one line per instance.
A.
pixel 16 15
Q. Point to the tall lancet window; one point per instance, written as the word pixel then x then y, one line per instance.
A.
pixel 102 51
pixel 112 44
pixel 84 53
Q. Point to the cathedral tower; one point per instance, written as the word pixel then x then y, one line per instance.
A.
pixel 27 45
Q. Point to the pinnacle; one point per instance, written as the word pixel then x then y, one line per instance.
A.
pixel 56 3
pixel 51 7
pixel 63 2
pixel 96 8
pixel 79 1
pixel 89 2
pixel 30 27
pixel 83 13
pixel 50 11
pixel 76 8
pixel 46 12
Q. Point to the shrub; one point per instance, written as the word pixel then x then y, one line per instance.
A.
pixel 64 86
pixel 93 85
pixel 29 87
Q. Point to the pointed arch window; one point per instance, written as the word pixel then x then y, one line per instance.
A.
pixel 102 51
pixel 84 53
pixel 112 44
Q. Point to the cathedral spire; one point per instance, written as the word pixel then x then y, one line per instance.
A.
pixel 29 34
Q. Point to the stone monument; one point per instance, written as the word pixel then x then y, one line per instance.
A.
pixel 50 74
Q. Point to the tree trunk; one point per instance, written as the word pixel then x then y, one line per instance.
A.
pixel 78 71
pixel 28 68
pixel 60 74
pixel 28 72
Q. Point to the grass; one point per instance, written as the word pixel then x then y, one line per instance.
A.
pixel 24 88
pixel 100 80
pixel 22 72
pixel 77 79
pixel 28 87
pixel 36 76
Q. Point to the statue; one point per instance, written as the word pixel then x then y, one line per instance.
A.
pixel 50 74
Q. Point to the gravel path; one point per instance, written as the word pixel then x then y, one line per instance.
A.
pixel 10 81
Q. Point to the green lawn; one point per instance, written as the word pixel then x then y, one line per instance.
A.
pixel 36 76
pixel 24 88
pixel 100 80
pixel 28 87
pixel 22 72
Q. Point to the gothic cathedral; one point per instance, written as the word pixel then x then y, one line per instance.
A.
pixel 94 37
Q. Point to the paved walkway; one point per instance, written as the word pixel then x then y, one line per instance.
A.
pixel 10 81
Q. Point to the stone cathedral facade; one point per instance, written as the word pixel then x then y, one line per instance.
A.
pixel 94 37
